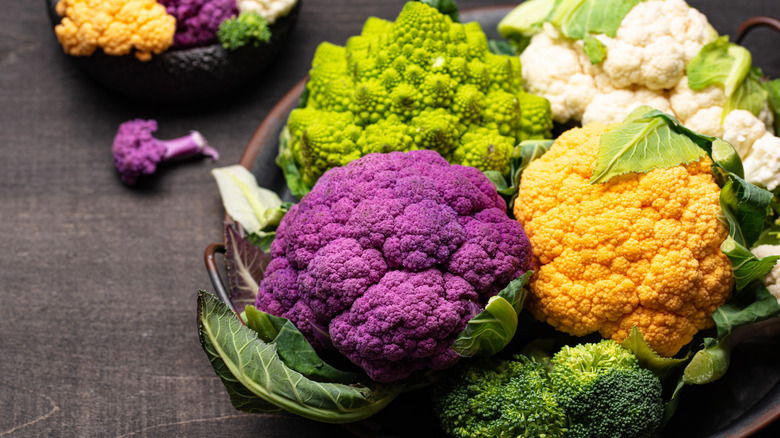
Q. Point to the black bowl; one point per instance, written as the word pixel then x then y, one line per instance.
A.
pixel 183 75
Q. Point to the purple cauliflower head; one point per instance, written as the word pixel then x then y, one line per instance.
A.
pixel 387 258
pixel 197 21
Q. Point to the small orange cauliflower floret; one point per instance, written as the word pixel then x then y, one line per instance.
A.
pixel 640 250
pixel 118 27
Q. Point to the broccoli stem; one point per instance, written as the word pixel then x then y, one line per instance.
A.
pixel 192 144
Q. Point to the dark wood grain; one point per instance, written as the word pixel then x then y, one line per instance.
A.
pixel 98 281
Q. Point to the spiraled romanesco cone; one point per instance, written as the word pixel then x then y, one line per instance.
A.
pixel 422 78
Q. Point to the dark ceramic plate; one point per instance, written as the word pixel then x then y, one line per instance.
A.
pixel 182 76
pixel 738 405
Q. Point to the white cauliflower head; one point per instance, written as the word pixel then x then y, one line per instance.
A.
pixel 644 61
pixel 271 10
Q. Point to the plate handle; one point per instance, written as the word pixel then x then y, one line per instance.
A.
pixel 754 22
pixel 209 257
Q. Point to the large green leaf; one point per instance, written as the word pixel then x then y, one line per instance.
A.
pixel 749 305
pixel 643 142
pixel 492 329
pixel 241 398
pixel 293 348
pixel 286 161
pixel 719 63
pixel 594 49
pixel 525 19
pixel 751 95
pixel 662 367
pixel 242 360
pixel 254 207
pixel 746 267
pixel 562 11
pixel 773 96
pixel 597 16
pixel 745 207
pixel 710 363
pixel 245 263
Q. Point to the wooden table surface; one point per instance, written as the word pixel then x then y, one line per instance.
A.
pixel 98 281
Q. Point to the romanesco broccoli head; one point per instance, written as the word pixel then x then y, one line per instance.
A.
pixel 425 80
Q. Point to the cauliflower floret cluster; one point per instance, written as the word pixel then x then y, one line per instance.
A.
pixel 639 250
pixel 645 61
pixel 387 258
pixel 141 27
pixel 421 82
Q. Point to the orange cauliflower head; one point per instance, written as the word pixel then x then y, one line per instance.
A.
pixel 640 250
pixel 118 27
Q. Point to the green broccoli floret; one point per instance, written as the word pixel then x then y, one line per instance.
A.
pixel 490 398
pixel 605 393
pixel 433 78
pixel 245 29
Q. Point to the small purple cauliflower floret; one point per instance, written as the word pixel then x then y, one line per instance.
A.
pixel 388 257
pixel 137 152
pixel 197 21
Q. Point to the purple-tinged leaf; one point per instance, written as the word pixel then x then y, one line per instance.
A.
pixel 246 265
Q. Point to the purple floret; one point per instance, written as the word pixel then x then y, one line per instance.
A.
pixel 386 259
pixel 404 324
pixel 137 152
pixel 197 21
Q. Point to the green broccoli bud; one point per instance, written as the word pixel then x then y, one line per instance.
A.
pixel 605 393
pixel 245 29
pixel 493 398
